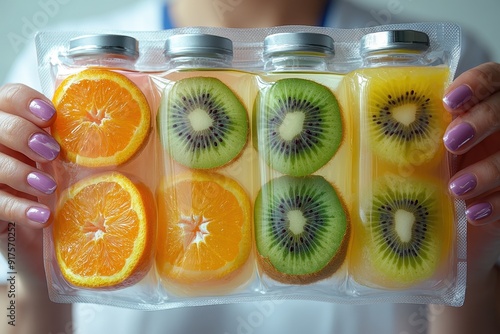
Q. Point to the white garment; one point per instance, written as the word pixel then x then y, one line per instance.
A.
pixel 291 317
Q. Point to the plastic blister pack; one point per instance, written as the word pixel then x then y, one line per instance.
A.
pixel 213 165
pixel 403 168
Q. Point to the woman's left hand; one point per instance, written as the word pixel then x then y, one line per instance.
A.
pixel 474 135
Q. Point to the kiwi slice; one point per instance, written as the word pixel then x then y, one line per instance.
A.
pixel 301 229
pixel 405 226
pixel 299 126
pixel 405 114
pixel 202 123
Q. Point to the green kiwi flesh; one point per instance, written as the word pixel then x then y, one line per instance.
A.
pixel 202 123
pixel 301 229
pixel 299 126
pixel 404 229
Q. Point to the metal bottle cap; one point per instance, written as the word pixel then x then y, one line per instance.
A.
pixel 298 42
pixel 198 45
pixel 120 45
pixel 410 40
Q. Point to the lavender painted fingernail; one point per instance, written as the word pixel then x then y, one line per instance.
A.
pixel 479 211
pixel 38 214
pixel 42 109
pixel 458 96
pixel 458 136
pixel 41 182
pixel 44 145
pixel 463 184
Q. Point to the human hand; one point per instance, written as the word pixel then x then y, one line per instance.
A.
pixel 23 143
pixel 474 98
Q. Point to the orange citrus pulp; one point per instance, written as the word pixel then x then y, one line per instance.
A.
pixel 103 118
pixel 205 227
pixel 103 231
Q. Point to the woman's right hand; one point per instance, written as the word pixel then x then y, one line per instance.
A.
pixel 24 113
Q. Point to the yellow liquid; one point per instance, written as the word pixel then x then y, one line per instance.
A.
pixel 427 163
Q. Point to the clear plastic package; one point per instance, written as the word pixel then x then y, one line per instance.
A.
pixel 405 218
pixel 262 174
pixel 302 225
pixel 104 231
pixel 204 197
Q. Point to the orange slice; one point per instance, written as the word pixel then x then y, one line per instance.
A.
pixel 103 118
pixel 103 231
pixel 205 227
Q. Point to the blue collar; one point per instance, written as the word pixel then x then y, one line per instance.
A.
pixel 167 22
pixel 326 13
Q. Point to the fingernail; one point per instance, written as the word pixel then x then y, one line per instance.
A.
pixel 479 211
pixel 458 136
pixel 38 214
pixel 44 145
pixel 458 96
pixel 463 184
pixel 42 109
pixel 41 182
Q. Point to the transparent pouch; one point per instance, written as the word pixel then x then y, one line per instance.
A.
pixel 302 225
pixel 104 214
pixel 406 226
pixel 207 169
pixel 236 216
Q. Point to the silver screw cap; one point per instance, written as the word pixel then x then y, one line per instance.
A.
pixel 411 40
pixel 119 45
pixel 192 45
pixel 298 42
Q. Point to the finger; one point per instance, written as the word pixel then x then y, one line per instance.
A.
pixel 23 111
pixel 470 128
pixel 484 211
pixel 477 179
pixel 25 178
pixel 27 103
pixel 25 137
pixel 20 184
pixel 472 87
pixel 23 211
